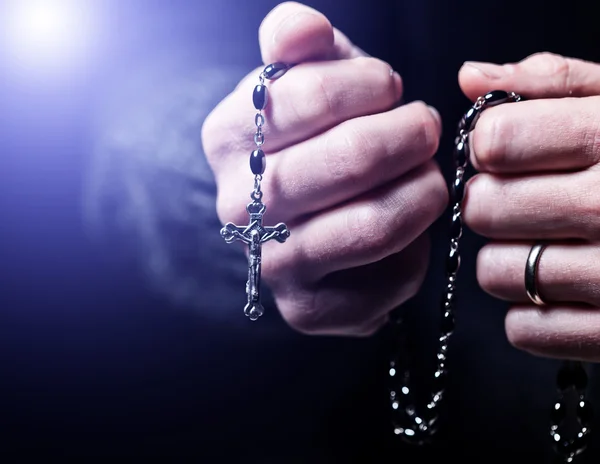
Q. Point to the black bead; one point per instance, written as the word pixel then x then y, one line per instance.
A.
pixel 470 119
pixel 275 70
pixel 409 436
pixel 260 97
pixel 258 162
pixel 461 153
pixel 565 447
pixel 571 375
pixel 581 442
pixel 456 227
pixel 558 413
pixel 448 301
pixel 447 326
pixel 452 262
pixel 585 412
pixel 430 414
pixel 495 97
pixel 439 381
pixel 458 190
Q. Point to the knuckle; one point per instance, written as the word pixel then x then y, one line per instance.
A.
pixel 553 65
pixel 378 80
pixel 546 62
pixel 521 333
pixel 371 64
pixel 367 231
pixel 477 213
pixel 299 311
pixel 311 93
pixel 486 276
pixel 591 137
pixel 586 202
pixel 438 192
pixel 347 154
pixel 490 138
pixel 432 194
pixel 428 130
pixel 279 266
pixel 321 97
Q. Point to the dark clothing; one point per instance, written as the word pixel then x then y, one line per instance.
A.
pixel 96 364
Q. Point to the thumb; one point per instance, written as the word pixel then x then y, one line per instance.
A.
pixel 543 75
pixel 293 33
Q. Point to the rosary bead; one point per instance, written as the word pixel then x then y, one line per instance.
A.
pixel 439 381
pixel 458 190
pixel 258 162
pixel 585 413
pixel 260 97
pixel 461 153
pixel 447 325
pixel 448 302
pixel 571 375
pixel 456 227
pixel 496 97
pixel 275 70
pixel 564 447
pixel 558 413
pixel 452 262
pixel 468 121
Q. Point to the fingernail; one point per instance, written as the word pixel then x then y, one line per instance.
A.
pixel 437 116
pixel 290 22
pixel 490 70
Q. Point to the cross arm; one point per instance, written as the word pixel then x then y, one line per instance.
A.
pixel 280 232
pixel 231 232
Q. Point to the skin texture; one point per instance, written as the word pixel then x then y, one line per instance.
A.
pixel 351 172
pixel 538 163
pixel 348 169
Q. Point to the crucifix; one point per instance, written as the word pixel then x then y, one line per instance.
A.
pixel 254 235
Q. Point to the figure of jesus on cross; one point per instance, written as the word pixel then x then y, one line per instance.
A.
pixel 254 235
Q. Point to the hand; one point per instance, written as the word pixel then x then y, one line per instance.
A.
pixel 539 177
pixel 348 171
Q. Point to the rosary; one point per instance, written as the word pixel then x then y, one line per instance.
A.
pixel 410 425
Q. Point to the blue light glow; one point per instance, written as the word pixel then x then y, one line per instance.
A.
pixel 47 36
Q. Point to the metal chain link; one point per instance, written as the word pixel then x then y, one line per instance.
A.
pixel 260 100
pixel 419 428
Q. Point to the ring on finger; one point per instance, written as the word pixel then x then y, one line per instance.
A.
pixel 531 274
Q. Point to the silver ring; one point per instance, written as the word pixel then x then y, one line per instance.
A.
pixel 531 270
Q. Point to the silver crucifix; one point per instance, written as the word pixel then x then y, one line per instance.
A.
pixel 254 235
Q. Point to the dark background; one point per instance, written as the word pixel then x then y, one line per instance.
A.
pixel 121 331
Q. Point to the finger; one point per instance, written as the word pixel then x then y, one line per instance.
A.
pixel 356 302
pixel 562 332
pixel 342 163
pixel 567 272
pixel 543 75
pixel 294 33
pixel 540 135
pixel 548 206
pixel 364 230
pixel 309 99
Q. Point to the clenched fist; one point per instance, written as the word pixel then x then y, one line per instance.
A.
pixel 349 170
pixel 539 163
